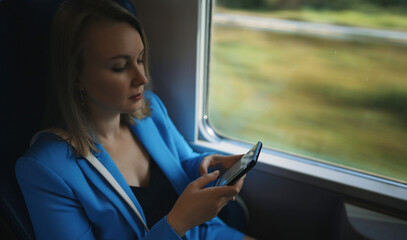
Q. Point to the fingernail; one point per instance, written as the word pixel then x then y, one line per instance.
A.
pixel 215 172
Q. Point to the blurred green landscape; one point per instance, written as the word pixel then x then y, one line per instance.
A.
pixel 370 18
pixel 343 102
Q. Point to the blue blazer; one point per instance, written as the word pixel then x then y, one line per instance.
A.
pixel 68 199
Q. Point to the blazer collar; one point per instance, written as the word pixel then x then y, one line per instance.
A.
pixel 110 193
pixel 150 137
pixel 148 134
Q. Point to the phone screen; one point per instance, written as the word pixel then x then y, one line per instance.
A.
pixel 240 167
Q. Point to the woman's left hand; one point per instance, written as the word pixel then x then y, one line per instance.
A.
pixel 218 162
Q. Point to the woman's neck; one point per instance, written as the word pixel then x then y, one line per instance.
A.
pixel 107 126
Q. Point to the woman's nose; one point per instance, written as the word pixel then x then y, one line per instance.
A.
pixel 139 76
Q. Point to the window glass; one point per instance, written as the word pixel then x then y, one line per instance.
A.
pixel 326 80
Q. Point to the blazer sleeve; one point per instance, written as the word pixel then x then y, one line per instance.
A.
pixel 54 211
pixel 189 159
pixel 162 230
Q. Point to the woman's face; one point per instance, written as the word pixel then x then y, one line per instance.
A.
pixel 113 76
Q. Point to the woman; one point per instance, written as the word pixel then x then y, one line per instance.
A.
pixel 99 73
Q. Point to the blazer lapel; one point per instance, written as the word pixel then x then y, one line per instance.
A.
pixel 99 182
pixel 150 137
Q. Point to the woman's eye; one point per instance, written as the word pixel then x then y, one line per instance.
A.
pixel 119 69
pixel 140 61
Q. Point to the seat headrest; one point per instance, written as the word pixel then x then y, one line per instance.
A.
pixel 127 5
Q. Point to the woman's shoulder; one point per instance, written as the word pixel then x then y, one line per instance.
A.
pixel 47 149
pixel 49 166
pixel 156 105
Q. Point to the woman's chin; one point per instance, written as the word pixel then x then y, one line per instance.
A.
pixel 133 109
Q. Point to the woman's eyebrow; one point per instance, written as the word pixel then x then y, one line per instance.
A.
pixel 125 56
pixel 120 56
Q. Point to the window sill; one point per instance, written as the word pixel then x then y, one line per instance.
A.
pixel 352 184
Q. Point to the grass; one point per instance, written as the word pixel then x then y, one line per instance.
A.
pixel 337 101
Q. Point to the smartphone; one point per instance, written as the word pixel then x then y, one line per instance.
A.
pixel 241 167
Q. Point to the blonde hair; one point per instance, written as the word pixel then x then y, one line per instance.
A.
pixel 65 108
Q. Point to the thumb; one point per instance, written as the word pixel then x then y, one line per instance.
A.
pixel 203 168
pixel 205 179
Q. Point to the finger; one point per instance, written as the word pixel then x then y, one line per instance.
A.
pixel 215 160
pixel 209 161
pixel 239 183
pixel 235 188
pixel 224 203
pixel 227 192
pixel 237 157
pixel 205 179
pixel 203 168
pixel 230 160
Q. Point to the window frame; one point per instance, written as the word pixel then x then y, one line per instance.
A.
pixel 351 183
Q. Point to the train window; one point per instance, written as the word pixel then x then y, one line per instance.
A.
pixel 324 80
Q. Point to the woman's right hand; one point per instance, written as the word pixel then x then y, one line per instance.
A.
pixel 197 205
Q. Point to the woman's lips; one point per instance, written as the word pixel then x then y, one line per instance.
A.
pixel 137 97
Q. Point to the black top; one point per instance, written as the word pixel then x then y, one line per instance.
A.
pixel 158 198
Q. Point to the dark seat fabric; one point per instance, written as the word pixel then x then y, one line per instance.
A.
pixel 24 27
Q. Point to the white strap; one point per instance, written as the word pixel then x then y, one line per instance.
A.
pixel 102 170
pixel 106 174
